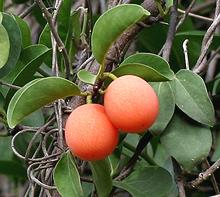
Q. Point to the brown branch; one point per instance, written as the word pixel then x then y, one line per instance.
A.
pixel 213 180
pixel 28 10
pixel 207 40
pixel 179 178
pixel 203 6
pixel 205 175
pixel 171 32
pixel 185 14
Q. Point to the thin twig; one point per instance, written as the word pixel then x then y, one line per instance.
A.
pixel 185 14
pixel 60 45
pixel 207 19
pixel 205 175
pixel 207 40
pixel 185 50
pixel 9 85
pixel 28 10
pixel 179 178
pixel 171 32
pixel 202 6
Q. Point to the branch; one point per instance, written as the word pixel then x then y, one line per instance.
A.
pixel 207 40
pixel 205 175
pixel 171 32
pixel 179 178
pixel 28 10
pixel 60 45
pixel 185 14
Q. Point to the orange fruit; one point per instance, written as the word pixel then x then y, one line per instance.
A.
pixel 131 104
pixel 89 133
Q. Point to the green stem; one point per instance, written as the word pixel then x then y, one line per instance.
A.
pixel 89 99
pixel 108 75
pixel 85 19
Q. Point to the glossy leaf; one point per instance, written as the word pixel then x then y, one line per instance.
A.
pixel 66 177
pixel 166 106
pixel 30 60
pixel 192 98
pixel 147 182
pixel 45 37
pixel 151 60
pixel 1 8
pixel 141 70
pixel 25 31
pixel 87 77
pixel 35 119
pixel 4 46
pixel 36 94
pixel 15 39
pixel 111 25
pixel 187 141
pixel 101 172
pixel 63 18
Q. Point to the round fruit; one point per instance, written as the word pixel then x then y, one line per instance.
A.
pixel 89 133
pixel 131 104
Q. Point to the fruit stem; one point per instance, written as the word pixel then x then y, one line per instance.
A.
pixel 89 98
pixel 108 75
pixel 101 91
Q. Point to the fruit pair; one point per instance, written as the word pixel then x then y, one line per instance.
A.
pixel 130 104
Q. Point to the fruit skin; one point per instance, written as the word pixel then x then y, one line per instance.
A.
pixel 89 133
pixel 131 104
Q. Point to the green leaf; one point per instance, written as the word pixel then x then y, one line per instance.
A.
pixel 5 144
pixel 166 107
pixel 15 39
pixel 147 182
pixel 101 172
pixel 169 3
pixel 216 154
pixel 187 141
pixel 45 37
pixel 87 77
pixel 4 46
pixel 36 94
pixel 35 119
pixel 1 16
pixel 151 60
pixel 63 18
pixel 12 168
pixel 30 60
pixel 1 7
pixel 25 31
pixel 140 70
pixel 2 102
pixel 66 177
pixel 63 21
pixel 111 25
pixel 192 98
